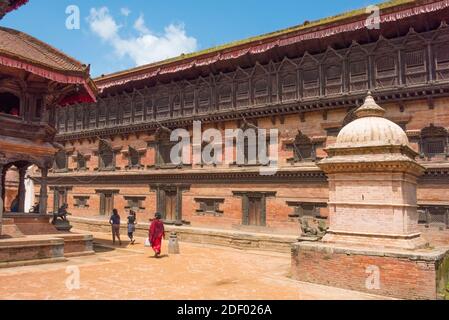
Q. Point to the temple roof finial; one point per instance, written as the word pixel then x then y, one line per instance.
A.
pixel 370 108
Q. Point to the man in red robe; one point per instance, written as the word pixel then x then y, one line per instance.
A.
pixel 157 232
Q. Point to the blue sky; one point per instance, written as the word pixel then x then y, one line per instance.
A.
pixel 116 35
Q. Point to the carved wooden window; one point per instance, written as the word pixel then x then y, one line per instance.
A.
pixel 415 66
pixel 164 147
pixel 62 120
pixel 135 203
pixel 149 106
pixel 260 91
pixel 81 202
pixel 434 142
pixel 303 149
pixel 242 93
pixel 189 101
pixel 177 108
pixel 126 108
pixel 112 110
pixel 333 79
pixel 9 104
pixel 162 107
pixel 225 97
pixel 288 86
pixel 139 106
pixel 79 113
pixel 386 71
pixel 310 83
pixel 434 216
pixel 442 62
pixel 204 100
pixel 61 161
pixel 81 162
pixel 106 156
pixel 70 119
pixel 101 106
pixel 209 206
pixel 134 157
pixel 358 75
pixel 301 209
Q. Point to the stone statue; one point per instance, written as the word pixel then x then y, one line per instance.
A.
pixel 313 227
pixel 60 219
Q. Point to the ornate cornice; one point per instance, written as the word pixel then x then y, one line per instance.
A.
pixel 189 178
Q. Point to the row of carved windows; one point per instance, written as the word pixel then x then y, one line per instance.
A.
pixel 387 63
pixel 433 142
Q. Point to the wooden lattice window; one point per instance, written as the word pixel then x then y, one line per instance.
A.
pixel 81 163
pixel 434 142
pixel 434 216
pixel 303 149
pixel 334 79
pixel 134 158
pixel 139 106
pixel 288 86
pixel 386 71
pixel 135 203
pixel 204 100
pixel 106 156
pixel 177 109
pixel 81 202
pixel 61 161
pixel 162 107
pixel 189 101
pixel 415 66
pixel 225 97
pixel 260 91
pixel 358 75
pixel 209 206
pixel 311 83
pixel 242 93
pixel 310 209
pixel 442 61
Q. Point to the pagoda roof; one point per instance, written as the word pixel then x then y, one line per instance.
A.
pixel 390 11
pixel 22 51
pixel 10 5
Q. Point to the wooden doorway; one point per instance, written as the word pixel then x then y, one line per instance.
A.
pixel 170 206
pixel 254 211
pixel 106 203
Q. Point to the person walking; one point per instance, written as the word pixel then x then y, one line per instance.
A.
pixel 132 217
pixel 156 233
pixel 114 221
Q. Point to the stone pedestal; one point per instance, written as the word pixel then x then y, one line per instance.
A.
pixel 373 243
pixel 173 244
pixel 62 225
pixel 404 274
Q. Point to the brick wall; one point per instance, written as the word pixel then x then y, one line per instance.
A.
pixel 400 276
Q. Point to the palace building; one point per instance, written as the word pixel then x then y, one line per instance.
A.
pixel 305 81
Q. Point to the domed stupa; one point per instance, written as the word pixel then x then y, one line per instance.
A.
pixel 372 183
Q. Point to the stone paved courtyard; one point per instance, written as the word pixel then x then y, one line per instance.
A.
pixel 200 272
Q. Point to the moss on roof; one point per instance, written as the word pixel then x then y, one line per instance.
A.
pixel 304 26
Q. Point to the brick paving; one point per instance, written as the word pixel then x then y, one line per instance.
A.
pixel 199 272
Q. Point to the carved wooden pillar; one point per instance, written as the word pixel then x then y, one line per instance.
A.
pixel 43 197
pixel 21 192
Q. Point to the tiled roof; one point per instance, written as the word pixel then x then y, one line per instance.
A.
pixel 18 45
pixel 315 26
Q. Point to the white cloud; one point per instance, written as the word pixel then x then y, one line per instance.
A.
pixel 140 26
pixel 125 12
pixel 147 46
